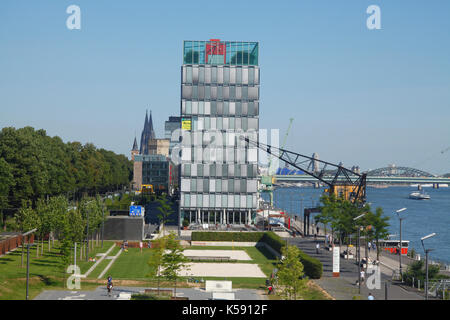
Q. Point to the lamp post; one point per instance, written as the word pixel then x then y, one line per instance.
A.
pixel 358 254
pixel 400 245
pixel 426 262
pixel 103 222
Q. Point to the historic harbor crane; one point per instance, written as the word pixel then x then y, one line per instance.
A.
pixel 341 182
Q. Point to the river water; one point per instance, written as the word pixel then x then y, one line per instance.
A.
pixel 422 217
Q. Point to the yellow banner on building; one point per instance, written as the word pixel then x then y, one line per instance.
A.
pixel 186 124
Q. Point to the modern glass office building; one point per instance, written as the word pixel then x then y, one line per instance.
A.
pixel 219 102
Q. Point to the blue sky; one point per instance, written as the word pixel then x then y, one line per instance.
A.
pixel 366 97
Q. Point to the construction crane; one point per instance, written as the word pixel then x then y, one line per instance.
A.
pixel 342 182
pixel 268 180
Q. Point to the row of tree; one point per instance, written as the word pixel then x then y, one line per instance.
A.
pixel 53 217
pixel 339 214
pixel 34 165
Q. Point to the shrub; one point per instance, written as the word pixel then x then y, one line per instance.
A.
pixel 313 268
pixel 144 297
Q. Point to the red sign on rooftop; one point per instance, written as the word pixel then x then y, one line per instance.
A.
pixel 215 48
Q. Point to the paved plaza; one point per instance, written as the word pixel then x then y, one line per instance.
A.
pixel 226 270
pixel 232 254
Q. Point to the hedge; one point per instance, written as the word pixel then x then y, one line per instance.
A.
pixel 312 267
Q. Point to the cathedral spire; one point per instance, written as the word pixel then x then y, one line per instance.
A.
pixel 135 147
pixel 150 127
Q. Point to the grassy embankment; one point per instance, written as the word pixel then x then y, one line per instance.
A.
pixel 46 272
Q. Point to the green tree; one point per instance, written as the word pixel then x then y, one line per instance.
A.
pixel 417 271
pixel 6 182
pixel 27 219
pixel 378 227
pixel 155 262
pixel 290 273
pixel 173 261
pixel 165 210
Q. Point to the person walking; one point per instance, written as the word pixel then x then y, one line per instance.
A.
pixel 362 275
pixel 317 247
pixel 270 290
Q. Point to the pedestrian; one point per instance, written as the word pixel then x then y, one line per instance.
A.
pixel 270 289
pixel 317 229
pixel 317 247
pixel 369 245
pixel 315 236
pixel 362 276
pixel 370 297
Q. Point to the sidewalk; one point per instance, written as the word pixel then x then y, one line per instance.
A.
pixel 344 287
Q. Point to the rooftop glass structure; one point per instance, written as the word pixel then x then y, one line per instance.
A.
pixel 219 52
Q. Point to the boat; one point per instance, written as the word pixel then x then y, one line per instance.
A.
pixel 419 195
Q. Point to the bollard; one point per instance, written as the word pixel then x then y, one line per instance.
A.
pixel 413 282
pixel 418 284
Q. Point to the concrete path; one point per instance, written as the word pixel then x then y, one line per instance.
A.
pixel 98 262
pixel 344 287
pixel 100 293
pixel 110 264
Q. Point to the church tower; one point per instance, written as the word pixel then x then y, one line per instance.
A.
pixel 135 149
pixel 147 134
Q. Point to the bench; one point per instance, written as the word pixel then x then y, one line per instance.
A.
pixel 207 258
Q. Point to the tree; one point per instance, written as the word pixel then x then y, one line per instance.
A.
pixel 6 182
pixel 27 219
pixel 290 273
pixel 173 261
pixel 155 261
pixel 165 210
pixel 379 226
pixel 417 271
pixel 34 165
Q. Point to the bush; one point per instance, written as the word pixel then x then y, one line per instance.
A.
pixel 144 297
pixel 312 267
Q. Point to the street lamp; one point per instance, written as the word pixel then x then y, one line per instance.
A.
pixel 358 254
pixel 400 253
pixel 426 262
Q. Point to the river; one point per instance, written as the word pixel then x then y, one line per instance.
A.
pixel 422 217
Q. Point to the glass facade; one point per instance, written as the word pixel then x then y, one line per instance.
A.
pixel 219 102
pixel 220 52
pixel 155 170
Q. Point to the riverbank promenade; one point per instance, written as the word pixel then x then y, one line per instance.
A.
pixel 345 286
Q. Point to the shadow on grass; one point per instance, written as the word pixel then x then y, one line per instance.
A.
pixel 266 253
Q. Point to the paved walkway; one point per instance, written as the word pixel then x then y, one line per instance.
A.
pixel 344 287
pixel 100 293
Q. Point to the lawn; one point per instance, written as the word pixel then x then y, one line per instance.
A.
pixel 132 265
pixel 46 272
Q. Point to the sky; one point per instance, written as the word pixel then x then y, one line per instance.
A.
pixel 358 96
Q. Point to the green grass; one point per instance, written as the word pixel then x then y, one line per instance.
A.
pixel 46 272
pixel 132 265
pixel 102 265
